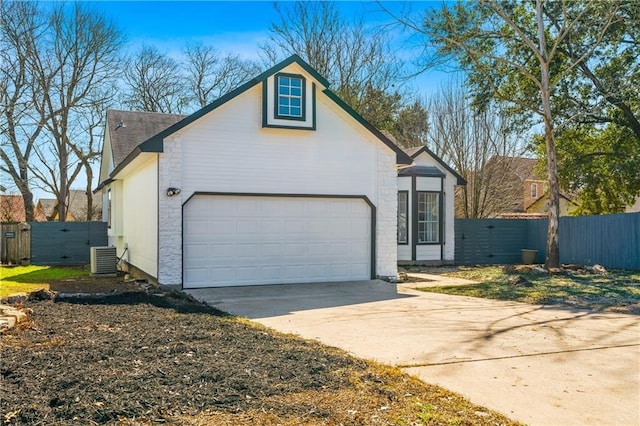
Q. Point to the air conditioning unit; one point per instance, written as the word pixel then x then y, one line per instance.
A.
pixel 103 260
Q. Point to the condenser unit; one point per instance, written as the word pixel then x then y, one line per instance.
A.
pixel 103 260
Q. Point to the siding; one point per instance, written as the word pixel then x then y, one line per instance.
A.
pixel 139 217
pixel 228 150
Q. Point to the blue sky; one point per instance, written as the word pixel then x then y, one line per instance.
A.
pixel 240 26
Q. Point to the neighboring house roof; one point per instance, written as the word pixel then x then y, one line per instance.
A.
pixel 12 208
pixel 154 142
pixel 516 176
pixel 77 207
pixel 524 168
pixel 567 205
pixel 415 151
pixel 44 209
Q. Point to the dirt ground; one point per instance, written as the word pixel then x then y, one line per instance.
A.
pixel 152 356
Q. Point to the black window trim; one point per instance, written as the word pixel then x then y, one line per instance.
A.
pixel 416 220
pixel 276 97
pixel 406 214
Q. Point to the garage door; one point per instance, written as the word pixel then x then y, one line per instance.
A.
pixel 253 240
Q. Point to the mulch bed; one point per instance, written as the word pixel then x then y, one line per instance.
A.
pixel 151 356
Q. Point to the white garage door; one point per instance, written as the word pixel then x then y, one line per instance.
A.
pixel 251 240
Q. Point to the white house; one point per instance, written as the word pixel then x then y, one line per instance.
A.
pixel 278 181
pixel 426 209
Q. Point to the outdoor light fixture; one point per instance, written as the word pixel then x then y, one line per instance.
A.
pixel 172 191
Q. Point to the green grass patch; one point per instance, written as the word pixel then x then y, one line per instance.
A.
pixel 617 289
pixel 26 279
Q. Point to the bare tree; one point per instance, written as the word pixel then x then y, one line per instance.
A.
pixel 477 144
pixel 21 27
pixel 209 74
pixel 356 59
pixel 155 83
pixel 71 64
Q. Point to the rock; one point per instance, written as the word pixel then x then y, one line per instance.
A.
pixel 520 281
pixel 43 295
pixel 539 270
pixel 10 316
pixel 524 269
pixel 599 269
pixel 557 271
pixel 402 277
pixel 15 299
pixel 509 269
pixel 573 267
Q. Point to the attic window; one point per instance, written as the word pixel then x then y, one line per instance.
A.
pixel 534 190
pixel 290 97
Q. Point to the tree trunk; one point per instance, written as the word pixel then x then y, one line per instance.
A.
pixel 553 247
pixel 89 193
pixel 63 190
pixel 27 198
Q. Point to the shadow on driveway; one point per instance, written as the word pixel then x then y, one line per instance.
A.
pixel 282 299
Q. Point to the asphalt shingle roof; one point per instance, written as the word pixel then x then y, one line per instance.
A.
pixel 128 129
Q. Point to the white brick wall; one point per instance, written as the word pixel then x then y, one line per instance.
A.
pixel 170 214
pixel 387 184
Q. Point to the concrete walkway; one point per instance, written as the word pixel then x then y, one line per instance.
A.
pixel 541 366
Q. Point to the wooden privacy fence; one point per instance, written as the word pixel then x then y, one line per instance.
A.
pixel 51 243
pixel 609 240
pixel 15 247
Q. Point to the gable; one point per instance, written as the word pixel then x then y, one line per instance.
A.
pixel 429 164
pixel 154 142
pixel 230 151
pixel 289 99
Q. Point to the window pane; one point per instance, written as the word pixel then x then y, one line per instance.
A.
pixel 428 217
pixel 290 96
pixel 402 217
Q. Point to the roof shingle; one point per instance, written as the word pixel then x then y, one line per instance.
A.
pixel 128 129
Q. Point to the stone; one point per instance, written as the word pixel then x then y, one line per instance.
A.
pixel 573 267
pixel 43 295
pixel 15 299
pixel 557 271
pixel 520 281
pixel 509 269
pixel 539 270
pixel 599 269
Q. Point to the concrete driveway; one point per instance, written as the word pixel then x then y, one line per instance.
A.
pixel 541 366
